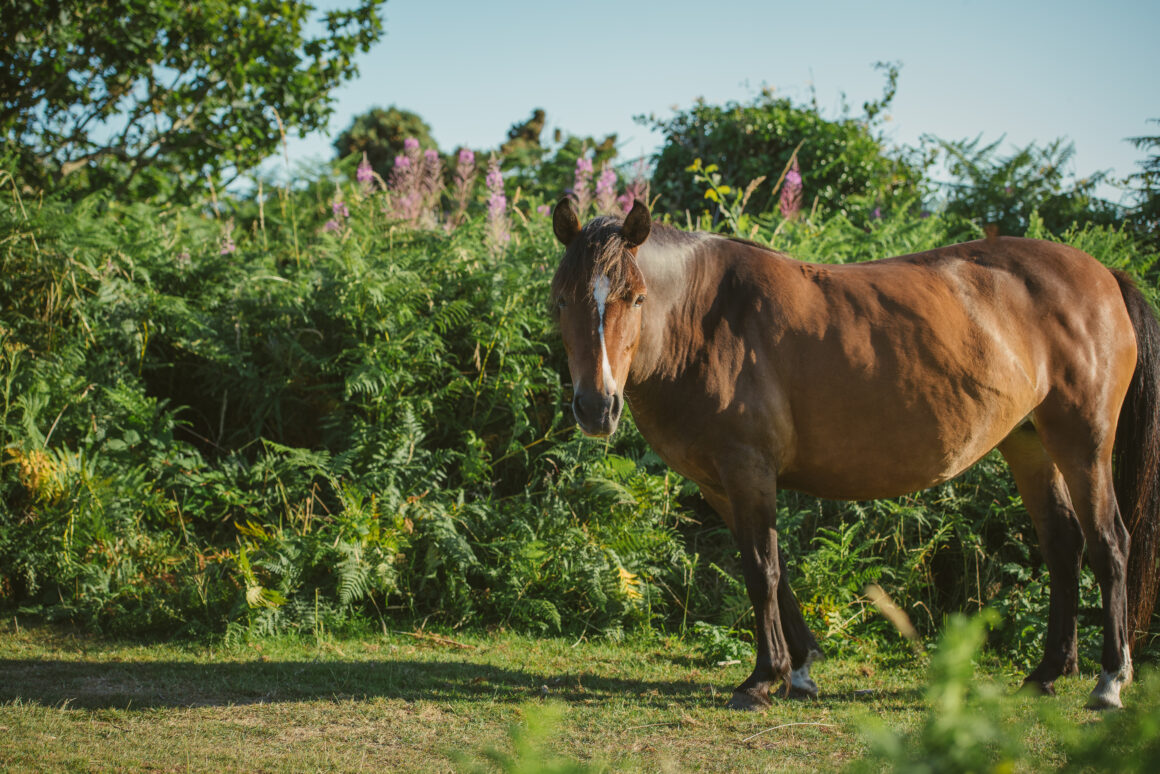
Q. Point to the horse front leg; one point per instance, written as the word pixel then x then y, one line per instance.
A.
pixel 754 527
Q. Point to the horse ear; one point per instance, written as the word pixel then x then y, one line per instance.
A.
pixel 565 222
pixel 636 224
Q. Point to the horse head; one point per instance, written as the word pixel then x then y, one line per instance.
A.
pixel 598 297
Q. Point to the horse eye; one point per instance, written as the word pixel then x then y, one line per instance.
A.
pixel 561 303
pixel 639 300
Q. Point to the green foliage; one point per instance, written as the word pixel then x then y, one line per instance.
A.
pixel 243 422
pixel 545 169
pixel 972 723
pixel 379 133
pixel 844 164
pixel 305 431
pixel 155 94
pixel 1145 214
pixel 1003 191
pixel 530 752
pixel 966 729
pixel 720 643
pixel 1126 740
pixel 730 202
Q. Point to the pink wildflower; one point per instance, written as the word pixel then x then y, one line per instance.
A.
pixel 364 174
pixel 544 209
pixel 464 183
pixel 331 225
pixel 430 187
pixel 499 233
pixel 790 201
pixel 406 183
pixel 606 190
pixel 636 190
pixel 581 186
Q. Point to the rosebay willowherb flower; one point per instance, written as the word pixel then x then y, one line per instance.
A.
pixel 465 174
pixel 636 189
pixel 606 190
pixel 339 210
pixel 430 187
pixel 498 230
pixel 790 200
pixel 364 174
pixel 582 185
pixel 405 196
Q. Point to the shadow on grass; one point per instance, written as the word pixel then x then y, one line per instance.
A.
pixel 149 684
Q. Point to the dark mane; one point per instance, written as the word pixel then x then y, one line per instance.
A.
pixel 597 250
pixel 751 243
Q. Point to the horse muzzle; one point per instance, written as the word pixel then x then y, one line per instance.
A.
pixel 596 413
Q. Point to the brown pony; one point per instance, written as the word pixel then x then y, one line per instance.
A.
pixel 748 371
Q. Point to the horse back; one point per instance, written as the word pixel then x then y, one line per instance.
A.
pixel 878 379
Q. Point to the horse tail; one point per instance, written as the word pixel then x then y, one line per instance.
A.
pixel 1136 456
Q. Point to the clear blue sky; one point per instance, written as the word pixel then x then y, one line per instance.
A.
pixel 1033 70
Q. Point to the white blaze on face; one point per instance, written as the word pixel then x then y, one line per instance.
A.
pixel 600 292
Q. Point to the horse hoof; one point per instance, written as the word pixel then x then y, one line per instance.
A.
pixel 798 691
pixel 1106 694
pixel 747 702
pixel 1102 702
pixel 1037 688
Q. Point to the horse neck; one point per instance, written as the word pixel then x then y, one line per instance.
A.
pixel 672 265
pixel 686 276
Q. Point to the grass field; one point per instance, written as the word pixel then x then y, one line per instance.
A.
pixel 425 702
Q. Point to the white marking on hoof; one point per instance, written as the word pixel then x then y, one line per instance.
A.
pixel 600 292
pixel 800 680
pixel 1106 694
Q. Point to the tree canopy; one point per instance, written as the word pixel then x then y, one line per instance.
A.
pixel 130 91
pixel 380 134
pixel 839 158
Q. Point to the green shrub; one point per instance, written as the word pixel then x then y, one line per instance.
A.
pixel 844 162
pixel 244 421
pixel 973 724
pixel 1006 192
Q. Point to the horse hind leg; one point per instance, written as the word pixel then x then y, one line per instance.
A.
pixel 803 646
pixel 1087 469
pixel 1046 499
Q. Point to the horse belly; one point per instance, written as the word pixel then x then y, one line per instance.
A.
pixel 877 442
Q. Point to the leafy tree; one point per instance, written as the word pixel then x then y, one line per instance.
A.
pixel 1001 192
pixel 547 169
pixel 156 91
pixel 1146 213
pixel 380 133
pixel 523 147
pixel 838 158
